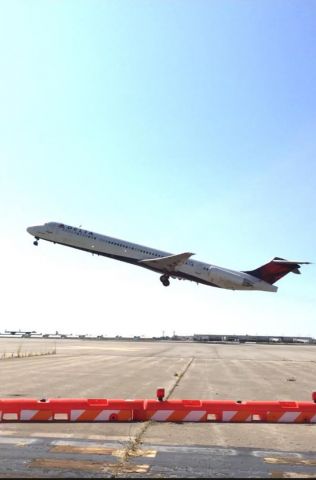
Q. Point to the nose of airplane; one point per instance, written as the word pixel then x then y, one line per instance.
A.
pixel 31 230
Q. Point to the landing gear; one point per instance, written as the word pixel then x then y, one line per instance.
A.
pixel 165 280
pixel 36 241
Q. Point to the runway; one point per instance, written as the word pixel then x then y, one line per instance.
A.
pixel 120 369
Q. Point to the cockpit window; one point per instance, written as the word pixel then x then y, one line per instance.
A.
pixel 61 225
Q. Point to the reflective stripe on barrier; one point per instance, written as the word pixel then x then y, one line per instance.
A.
pixel 112 410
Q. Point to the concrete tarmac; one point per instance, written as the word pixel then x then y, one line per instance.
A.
pixel 121 369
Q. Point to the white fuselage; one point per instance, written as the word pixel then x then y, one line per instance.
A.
pixel 125 251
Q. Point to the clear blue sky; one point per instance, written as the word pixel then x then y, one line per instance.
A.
pixel 182 125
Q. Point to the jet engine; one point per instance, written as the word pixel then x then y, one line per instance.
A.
pixel 227 279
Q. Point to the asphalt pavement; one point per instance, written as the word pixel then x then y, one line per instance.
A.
pixel 120 369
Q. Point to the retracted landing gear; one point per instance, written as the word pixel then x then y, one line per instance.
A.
pixel 36 241
pixel 165 280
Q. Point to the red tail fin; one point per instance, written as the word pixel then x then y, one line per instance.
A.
pixel 278 267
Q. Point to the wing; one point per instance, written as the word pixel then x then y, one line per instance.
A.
pixel 168 264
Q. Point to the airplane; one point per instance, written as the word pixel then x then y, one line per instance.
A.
pixel 166 264
pixel 13 332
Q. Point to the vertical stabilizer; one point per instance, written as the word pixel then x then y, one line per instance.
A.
pixel 278 267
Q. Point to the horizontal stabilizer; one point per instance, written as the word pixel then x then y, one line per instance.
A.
pixel 278 267
pixel 289 262
pixel 169 263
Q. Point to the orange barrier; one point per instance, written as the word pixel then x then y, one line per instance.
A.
pixel 160 410
pixel 230 411
pixel 67 409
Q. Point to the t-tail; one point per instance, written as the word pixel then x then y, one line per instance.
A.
pixel 278 267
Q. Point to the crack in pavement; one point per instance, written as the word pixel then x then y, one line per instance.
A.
pixel 133 447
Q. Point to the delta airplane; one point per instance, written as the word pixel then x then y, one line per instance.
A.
pixel 168 265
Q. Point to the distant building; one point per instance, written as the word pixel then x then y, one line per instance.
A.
pixel 251 338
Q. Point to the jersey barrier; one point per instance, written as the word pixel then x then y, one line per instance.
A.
pixel 159 410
